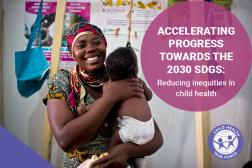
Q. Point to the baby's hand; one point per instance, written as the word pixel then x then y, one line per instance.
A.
pixel 82 109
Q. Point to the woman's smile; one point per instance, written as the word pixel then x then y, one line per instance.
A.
pixel 92 59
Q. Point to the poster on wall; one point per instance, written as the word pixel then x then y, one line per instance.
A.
pixel 76 11
pixel 112 14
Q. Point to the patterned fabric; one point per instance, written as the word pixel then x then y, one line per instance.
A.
pixel 83 27
pixel 92 79
pixel 77 80
pixel 58 86
pixel 98 145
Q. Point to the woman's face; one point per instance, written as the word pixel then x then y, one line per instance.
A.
pixel 90 52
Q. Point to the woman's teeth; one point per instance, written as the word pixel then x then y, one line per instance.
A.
pixel 92 59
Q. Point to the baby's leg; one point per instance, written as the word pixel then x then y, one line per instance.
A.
pixel 115 139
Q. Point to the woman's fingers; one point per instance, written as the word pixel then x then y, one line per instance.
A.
pixel 107 165
pixel 112 164
pixel 137 92
pixel 116 166
pixel 136 84
pixel 124 89
pixel 100 161
pixel 132 80
pixel 137 89
pixel 107 161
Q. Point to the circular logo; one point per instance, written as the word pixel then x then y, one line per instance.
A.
pixel 196 56
pixel 225 142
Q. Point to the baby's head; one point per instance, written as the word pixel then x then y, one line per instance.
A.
pixel 122 64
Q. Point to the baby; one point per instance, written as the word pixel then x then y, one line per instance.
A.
pixel 136 124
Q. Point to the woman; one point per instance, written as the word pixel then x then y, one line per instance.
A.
pixel 78 112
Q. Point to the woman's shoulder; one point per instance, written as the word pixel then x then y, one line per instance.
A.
pixel 58 86
pixel 61 74
pixel 60 80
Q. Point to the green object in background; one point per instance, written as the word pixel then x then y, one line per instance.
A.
pixel 224 3
pixel 173 2
pixel 64 43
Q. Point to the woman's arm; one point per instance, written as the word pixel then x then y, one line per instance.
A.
pixel 119 154
pixel 149 148
pixel 71 132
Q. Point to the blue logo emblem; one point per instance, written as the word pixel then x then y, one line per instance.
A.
pixel 225 142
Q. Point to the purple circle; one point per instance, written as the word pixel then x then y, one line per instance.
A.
pixel 227 148
pixel 196 81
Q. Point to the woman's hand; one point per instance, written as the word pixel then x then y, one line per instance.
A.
pixel 117 158
pixel 147 91
pixel 123 89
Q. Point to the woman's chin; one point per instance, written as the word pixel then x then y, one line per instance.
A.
pixel 92 68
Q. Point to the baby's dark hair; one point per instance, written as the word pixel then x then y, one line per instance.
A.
pixel 121 64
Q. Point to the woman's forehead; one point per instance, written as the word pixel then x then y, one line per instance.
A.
pixel 88 37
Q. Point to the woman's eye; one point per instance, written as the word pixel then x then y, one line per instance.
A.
pixel 81 46
pixel 97 42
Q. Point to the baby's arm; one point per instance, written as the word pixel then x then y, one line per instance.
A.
pixel 147 91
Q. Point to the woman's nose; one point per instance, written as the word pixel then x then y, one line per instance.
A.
pixel 91 48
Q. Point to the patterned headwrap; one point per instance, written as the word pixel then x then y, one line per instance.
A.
pixel 81 29
pixel 80 77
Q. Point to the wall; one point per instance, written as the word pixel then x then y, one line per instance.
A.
pixel 25 117
pixel 237 111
